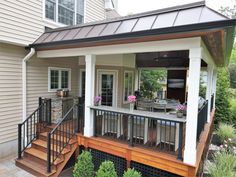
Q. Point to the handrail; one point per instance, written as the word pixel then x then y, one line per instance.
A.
pixel 153 115
pixel 61 134
pixel 159 131
pixel 30 128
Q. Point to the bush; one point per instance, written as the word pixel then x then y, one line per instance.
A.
pixel 84 166
pixel 225 131
pixel 223 164
pixel 106 169
pixel 132 173
pixel 223 113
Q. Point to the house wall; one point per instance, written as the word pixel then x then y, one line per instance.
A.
pixel 22 21
pixel 94 10
pixel 10 96
pixel 37 78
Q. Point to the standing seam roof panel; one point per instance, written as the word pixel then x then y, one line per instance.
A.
pixel 144 23
pixel 165 20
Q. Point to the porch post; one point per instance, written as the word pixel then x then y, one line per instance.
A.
pixel 192 107
pixel 89 93
pixel 214 87
pixel 136 85
pixel 209 90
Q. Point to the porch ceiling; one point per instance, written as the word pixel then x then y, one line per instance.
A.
pixel 176 22
pixel 170 59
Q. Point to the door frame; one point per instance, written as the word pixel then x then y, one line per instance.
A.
pixel 115 83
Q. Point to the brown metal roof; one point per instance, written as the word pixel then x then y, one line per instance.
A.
pixel 166 18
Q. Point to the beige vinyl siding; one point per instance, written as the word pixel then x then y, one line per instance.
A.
pixel 94 10
pixel 10 91
pixel 21 21
pixel 37 78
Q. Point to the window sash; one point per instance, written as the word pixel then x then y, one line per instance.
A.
pixel 63 79
pixel 76 13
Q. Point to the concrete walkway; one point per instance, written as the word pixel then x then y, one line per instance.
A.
pixel 8 168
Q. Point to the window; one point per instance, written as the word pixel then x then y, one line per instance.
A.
pixel 68 12
pixel 128 84
pixel 59 78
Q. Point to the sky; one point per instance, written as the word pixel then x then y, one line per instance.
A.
pixel 127 7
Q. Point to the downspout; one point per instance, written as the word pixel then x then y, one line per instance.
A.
pixel 24 80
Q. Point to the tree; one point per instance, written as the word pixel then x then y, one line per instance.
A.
pixel 106 169
pixel 229 11
pixel 223 113
pixel 84 166
pixel 149 82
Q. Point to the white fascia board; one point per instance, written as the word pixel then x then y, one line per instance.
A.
pixel 155 46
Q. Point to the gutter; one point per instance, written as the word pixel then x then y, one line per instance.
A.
pixel 24 81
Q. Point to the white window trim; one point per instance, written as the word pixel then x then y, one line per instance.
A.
pixel 132 84
pixel 56 23
pixel 59 69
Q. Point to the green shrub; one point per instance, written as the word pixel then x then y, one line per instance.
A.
pixel 84 166
pixel 132 173
pixel 225 131
pixel 223 164
pixel 223 113
pixel 106 169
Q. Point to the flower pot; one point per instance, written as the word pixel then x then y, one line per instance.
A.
pixel 131 107
pixel 179 114
pixel 96 104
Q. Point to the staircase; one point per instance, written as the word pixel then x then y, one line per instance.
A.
pixel 45 148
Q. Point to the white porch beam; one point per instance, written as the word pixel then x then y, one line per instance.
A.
pixel 209 90
pixel 155 46
pixel 192 108
pixel 89 94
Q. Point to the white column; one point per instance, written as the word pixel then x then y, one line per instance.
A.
pixel 192 108
pixel 89 93
pixel 214 86
pixel 209 90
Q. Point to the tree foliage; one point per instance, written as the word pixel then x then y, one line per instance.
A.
pixel 229 11
pixel 106 169
pixel 149 82
pixel 84 166
pixel 223 113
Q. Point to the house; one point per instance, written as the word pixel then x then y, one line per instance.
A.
pixel 104 58
pixel 22 22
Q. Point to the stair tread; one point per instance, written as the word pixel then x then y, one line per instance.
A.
pixel 44 144
pixel 37 167
pixel 72 141
pixel 41 155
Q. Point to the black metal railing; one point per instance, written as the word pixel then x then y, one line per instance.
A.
pixel 63 132
pixel 34 124
pixel 212 102
pixel 202 119
pixel 140 128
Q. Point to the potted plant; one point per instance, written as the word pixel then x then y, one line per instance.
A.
pixel 180 110
pixel 132 100
pixel 97 100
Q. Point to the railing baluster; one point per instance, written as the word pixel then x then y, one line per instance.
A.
pixel 131 130
pixel 94 123
pixel 180 157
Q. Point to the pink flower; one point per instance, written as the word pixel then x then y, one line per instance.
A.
pixel 181 107
pixel 221 146
pixel 97 99
pixel 131 98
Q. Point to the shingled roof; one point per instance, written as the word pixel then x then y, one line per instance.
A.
pixel 185 18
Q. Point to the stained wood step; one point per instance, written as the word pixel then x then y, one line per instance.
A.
pixel 33 167
pixel 40 155
pixel 42 145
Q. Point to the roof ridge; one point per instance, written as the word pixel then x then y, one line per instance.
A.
pixel 138 15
